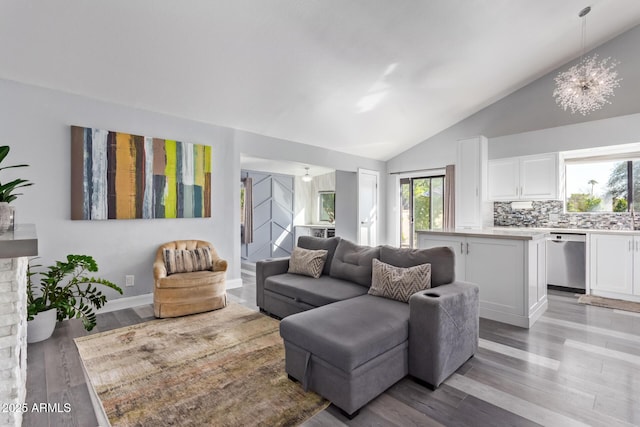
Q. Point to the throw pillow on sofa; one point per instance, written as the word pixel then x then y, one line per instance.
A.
pixel 353 262
pixel 307 262
pixel 187 261
pixel 315 243
pixel 399 283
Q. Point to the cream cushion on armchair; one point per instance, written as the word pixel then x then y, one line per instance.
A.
pixel 179 294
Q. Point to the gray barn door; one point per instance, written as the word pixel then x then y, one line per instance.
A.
pixel 272 216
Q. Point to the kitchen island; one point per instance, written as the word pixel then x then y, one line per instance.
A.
pixel 509 266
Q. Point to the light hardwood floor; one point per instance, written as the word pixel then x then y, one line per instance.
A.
pixel 578 365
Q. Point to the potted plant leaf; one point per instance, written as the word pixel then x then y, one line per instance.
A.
pixel 7 192
pixel 64 291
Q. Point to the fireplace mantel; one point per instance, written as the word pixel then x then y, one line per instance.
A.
pixel 20 242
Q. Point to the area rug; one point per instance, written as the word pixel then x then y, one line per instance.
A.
pixel 222 368
pixel 610 303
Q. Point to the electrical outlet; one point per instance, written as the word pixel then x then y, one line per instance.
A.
pixel 129 280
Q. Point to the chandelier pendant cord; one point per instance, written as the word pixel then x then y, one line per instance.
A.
pixel 584 36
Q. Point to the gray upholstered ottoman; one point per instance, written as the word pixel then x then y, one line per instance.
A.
pixel 349 351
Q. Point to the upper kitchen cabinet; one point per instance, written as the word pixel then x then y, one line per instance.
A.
pixel 471 164
pixel 524 178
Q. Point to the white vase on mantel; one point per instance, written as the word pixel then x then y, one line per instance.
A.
pixel 42 326
pixel 6 217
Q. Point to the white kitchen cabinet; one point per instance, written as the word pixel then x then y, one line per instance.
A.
pixel 471 163
pixel 614 264
pixel 523 178
pixel 511 274
pixel 503 177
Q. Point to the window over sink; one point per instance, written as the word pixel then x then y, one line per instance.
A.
pixel 603 180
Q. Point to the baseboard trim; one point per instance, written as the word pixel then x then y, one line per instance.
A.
pixel 126 302
pixel 234 283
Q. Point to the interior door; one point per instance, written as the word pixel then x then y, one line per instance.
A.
pixel 368 207
pixel 273 208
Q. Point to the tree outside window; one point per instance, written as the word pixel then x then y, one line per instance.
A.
pixel 602 186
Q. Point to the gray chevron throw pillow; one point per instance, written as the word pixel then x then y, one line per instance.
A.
pixel 307 262
pixel 399 283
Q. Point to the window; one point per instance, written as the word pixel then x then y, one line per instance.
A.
pixel 607 183
pixel 327 206
pixel 422 201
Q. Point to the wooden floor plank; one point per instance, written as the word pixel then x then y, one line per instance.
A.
pixel 400 414
pixel 530 411
pixel 323 419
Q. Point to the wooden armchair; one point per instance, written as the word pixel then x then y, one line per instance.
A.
pixel 183 293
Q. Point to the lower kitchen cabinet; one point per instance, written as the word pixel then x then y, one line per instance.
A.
pixel 614 270
pixel 511 274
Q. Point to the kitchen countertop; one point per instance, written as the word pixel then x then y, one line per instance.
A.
pixel 511 233
pixel 522 233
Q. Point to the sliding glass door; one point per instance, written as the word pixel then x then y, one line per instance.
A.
pixel 422 207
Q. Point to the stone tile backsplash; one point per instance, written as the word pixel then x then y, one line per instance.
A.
pixel 550 214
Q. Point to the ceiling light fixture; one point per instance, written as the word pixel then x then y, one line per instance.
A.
pixel 586 86
pixel 307 177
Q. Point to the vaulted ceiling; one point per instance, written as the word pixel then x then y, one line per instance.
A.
pixel 366 77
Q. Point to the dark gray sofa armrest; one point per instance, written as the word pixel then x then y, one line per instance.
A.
pixel 266 268
pixel 443 330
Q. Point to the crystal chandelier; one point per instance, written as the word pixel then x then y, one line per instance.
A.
pixel 587 86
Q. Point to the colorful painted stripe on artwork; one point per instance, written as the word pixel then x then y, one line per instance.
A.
pixel 198 180
pixel 98 176
pixel 125 176
pixel 111 175
pixel 207 181
pixel 87 142
pixel 171 186
pixel 147 199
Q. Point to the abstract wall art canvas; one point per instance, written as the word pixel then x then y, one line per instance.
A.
pixel 116 175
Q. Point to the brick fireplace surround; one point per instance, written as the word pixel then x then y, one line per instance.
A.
pixel 15 248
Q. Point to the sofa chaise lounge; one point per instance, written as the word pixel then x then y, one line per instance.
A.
pixel 350 346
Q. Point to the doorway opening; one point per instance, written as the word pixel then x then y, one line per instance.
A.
pixel 422 207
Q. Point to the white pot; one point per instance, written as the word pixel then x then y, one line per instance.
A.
pixel 42 326
pixel 6 217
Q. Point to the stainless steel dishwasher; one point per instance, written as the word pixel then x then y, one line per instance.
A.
pixel 566 262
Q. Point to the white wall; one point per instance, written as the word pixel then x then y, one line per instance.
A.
pixel 36 122
pixel 347 205
pixel 598 133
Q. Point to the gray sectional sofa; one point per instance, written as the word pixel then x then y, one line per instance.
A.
pixel 349 346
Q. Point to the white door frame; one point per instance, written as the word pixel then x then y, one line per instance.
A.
pixel 376 230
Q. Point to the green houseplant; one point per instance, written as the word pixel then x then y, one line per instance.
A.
pixel 7 192
pixel 7 189
pixel 68 289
